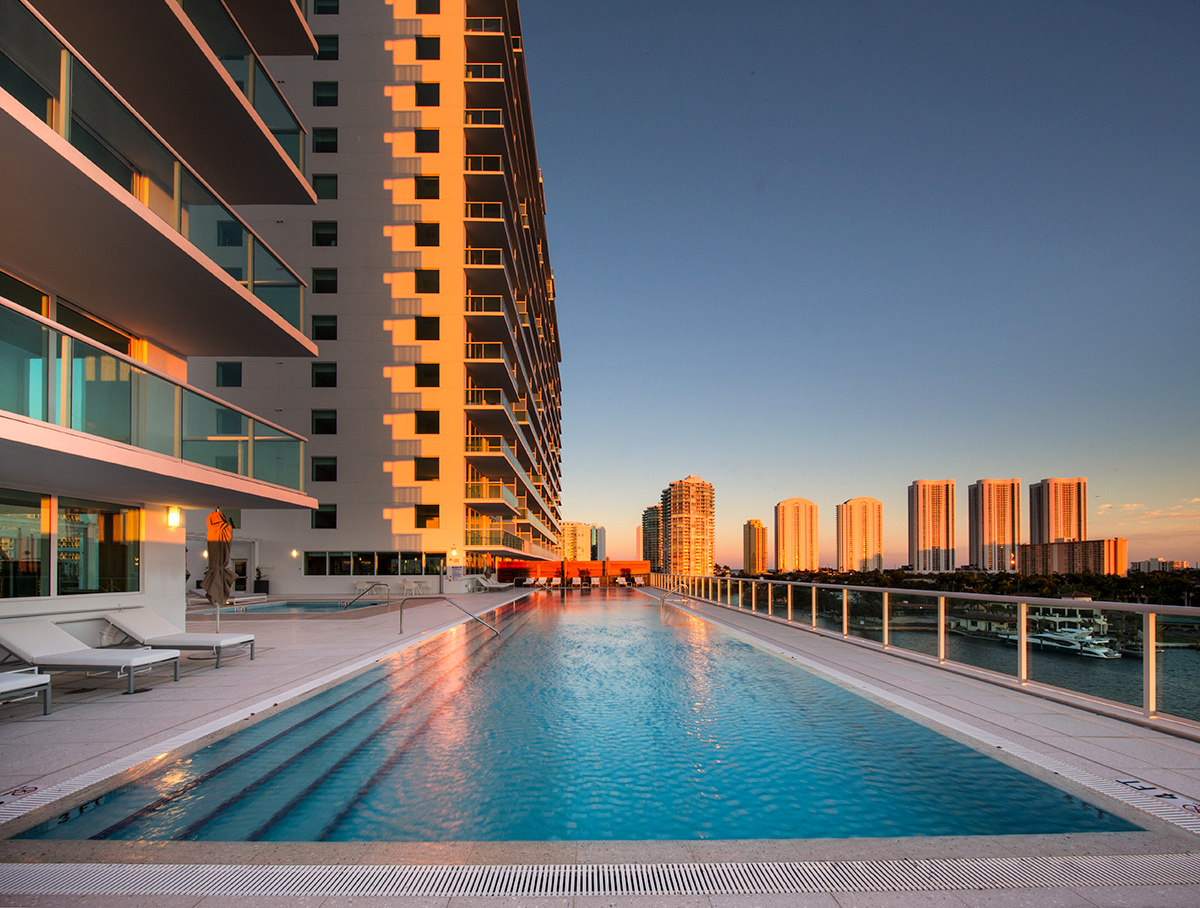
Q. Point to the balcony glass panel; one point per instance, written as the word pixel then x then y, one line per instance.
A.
pixel 277 457
pixel 492 24
pixel 24 354
pixel 29 60
pixel 101 393
pixel 159 415
pixel 485 70
pixel 277 116
pixel 483 116
pixel 215 435
pixel 277 286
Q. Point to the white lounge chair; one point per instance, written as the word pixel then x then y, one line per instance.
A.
pixel 149 628
pixel 487 583
pixel 595 582
pixel 25 683
pixel 555 582
pixel 638 581
pixel 621 581
pixel 47 646
pixel 576 583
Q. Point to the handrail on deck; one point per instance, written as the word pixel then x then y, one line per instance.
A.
pixel 444 599
pixel 373 586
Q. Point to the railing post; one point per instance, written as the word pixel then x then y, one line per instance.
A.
pixel 941 628
pixel 845 612
pixel 790 588
pixel 1149 665
pixel 814 607
pixel 887 608
pixel 1022 640
pixel 753 596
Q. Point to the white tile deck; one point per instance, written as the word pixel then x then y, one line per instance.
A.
pixel 95 727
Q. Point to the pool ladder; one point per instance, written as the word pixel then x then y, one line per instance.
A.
pixel 373 586
pixel 444 599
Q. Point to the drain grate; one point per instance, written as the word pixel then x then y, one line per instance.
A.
pixel 548 880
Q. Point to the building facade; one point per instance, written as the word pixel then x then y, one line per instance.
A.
pixel 1158 564
pixel 1058 510
pixel 796 535
pixel 754 547
pixel 583 542
pixel 125 257
pixel 994 507
pixel 688 523
pixel 1088 556
pixel 434 408
pixel 651 537
pixel 931 525
pixel 860 535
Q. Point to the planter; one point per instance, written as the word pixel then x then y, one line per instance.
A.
pixel 262 587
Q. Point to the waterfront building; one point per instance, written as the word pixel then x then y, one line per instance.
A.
pixel 651 537
pixel 582 542
pixel 994 507
pixel 860 535
pixel 754 547
pixel 1095 556
pixel 796 535
pixel 434 408
pixel 1158 564
pixel 129 145
pixel 931 525
pixel 1058 510
pixel 688 526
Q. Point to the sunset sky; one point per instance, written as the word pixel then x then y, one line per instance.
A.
pixel 824 249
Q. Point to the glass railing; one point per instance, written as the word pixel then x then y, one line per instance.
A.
pixel 485 71
pixel 61 378
pixel 490 210
pixel 225 39
pixel 1139 656
pixel 488 351
pixel 474 256
pixel 491 24
pixel 483 163
pixel 34 68
pixel 496 539
pixel 483 116
pixel 496 491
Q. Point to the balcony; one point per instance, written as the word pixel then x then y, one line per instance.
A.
pixel 498 542
pixel 109 190
pixel 490 411
pixel 66 401
pixel 492 498
pixel 474 116
pixel 489 365
pixel 492 456
pixel 195 90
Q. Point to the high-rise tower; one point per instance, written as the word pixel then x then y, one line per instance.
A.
pixel 931 525
pixel 688 526
pixel 754 547
pixel 1058 510
pixel 796 535
pixel 995 524
pixel 860 535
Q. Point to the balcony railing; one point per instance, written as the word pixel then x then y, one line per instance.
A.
pixel 496 491
pixel 495 539
pixel 37 69
pixel 484 256
pixel 1019 639
pixel 490 25
pixel 62 378
pixel 485 70
pixel 485 210
pixel 483 116
pixel 483 163
pixel 489 351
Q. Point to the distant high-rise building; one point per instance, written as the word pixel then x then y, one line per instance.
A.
pixel 754 547
pixel 795 535
pixel 651 549
pixel 995 523
pixel 1086 556
pixel 582 541
pixel 931 525
pixel 1058 510
pixel 688 526
pixel 1157 564
pixel 860 535
pixel 637 542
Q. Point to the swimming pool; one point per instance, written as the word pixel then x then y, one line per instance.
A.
pixel 583 720
pixel 299 607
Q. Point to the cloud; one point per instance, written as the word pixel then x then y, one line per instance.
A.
pixel 1131 507
pixel 1104 508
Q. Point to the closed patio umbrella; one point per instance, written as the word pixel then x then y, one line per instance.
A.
pixel 219 576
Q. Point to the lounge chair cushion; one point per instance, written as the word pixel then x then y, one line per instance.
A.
pixel 14 682
pixel 46 644
pixel 148 627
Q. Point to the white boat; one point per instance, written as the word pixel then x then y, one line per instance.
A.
pixel 1067 640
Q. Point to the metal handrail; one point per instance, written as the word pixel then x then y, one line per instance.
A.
pixel 346 605
pixel 444 599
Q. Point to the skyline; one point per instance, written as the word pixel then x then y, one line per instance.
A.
pixel 822 250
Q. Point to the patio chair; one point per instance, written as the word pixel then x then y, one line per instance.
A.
pixel 555 582
pixel 47 646
pixel 22 684
pixel 621 581
pixel 149 628
pixel 487 583
pixel 576 583
pixel 638 581
pixel 595 582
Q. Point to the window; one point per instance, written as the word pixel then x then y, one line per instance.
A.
pixel 429 48
pixel 324 517
pixel 363 564
pixel 429 7
pixel 325 185
pixel 428 516
pixel 324 375
pixel 324 233
pixel 325 94
pixel 327 47
pixel 25 543
pixel 427 280
pixel 426 140
pixel 425 469
pixel 324 280
pixel 427 375
pixel 98 547
pixel 324 469
pixel 324 422
pixel 324 327
pixel 316 564
pixel 230 233
pixel 339 564
pixel 325 7
pixel 427 234
pixel 427 328
pixel 425 187
pixel 387 564
pixel 324 139
pixel 429 94
pixel 229 375
pixel 428 422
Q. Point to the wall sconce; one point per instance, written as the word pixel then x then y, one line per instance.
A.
pixel 295 554
pixel 205 555
pixel 173 517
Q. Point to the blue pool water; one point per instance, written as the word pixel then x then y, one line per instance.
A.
pixel 586 719
pixel 299 606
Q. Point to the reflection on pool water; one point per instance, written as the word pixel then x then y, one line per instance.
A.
pixel 586 719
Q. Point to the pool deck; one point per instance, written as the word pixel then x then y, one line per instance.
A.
pixel 1138 772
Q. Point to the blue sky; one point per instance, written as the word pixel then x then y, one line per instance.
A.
pixel 824 249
